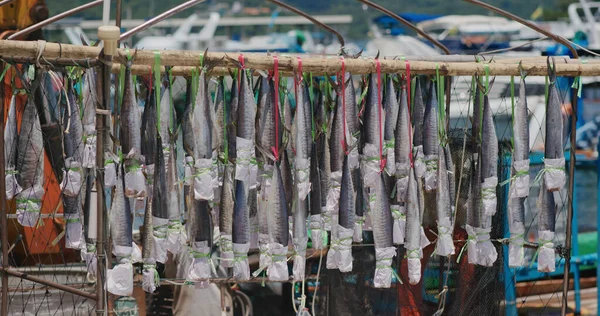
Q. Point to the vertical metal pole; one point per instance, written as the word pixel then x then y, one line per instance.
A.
pixel 4 209
pixel 575 236
pixel 109 35
pixel 570 191
pixel 510 293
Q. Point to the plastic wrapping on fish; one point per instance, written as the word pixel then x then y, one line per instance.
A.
pixel 201 266
pixel 29 203
pixel 383 267
pixel 333 200
pixel 176 237
pixel 119 279
pixel 226 249
pixel 74 232
pixel 110 173
pixel 299 258
pixel 263 248
pixel 424 242
pixel 159 234
pixel 519 187
pixel 399 225
pixel 402 170
pixel 241 269
pixel 89 152
pixel 12 186
pixel 554 174
pixel 546 254
pixel 135 182
pixel 516 251
pixel 71 182
pixel 419 162
pixel 278 270
pixel 205 180
pixel 149 172
pixel 472 245
pixel 486 252
pixel 245 167
pixel 390 162
pixel 488 196
pixel 254 232
pixel 150 278
pixel 353 161
pixel 302 180
pixel 358 228
pixel 316 231
pixel 344 249
pixel 88 254
pixel 430 175
pixel 188 170
pixel 371 165
pixel 414 265
pixel 445 245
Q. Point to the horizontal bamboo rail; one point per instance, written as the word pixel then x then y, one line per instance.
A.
pixel 185 61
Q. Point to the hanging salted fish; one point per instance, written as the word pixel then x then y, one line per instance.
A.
pixel 119 279
pixel 72 175
pixel 245 173
pixel 90 103
pixel 149 133
pixel 10 150
pixel 391 120
pixel 205 177
pixel 372 133
pixel 554 175
pixel 88 252
pixel 160 205
pixel 382 235
pixel 278 229
pixel 131 140
pixel 188 138
pixel 300 239
pixel 176 235
pixel 474 218
pixel 339 255
pixel 315 223
pixel 301 135
pixel 418 121
pixel 431 139
pixel 220 119
pixel 413 230
pixel 30 166
pixel 226 217
pixel 403 156
pixel 202 266
pixel 445 245
pixel 338 145
pixel 150 277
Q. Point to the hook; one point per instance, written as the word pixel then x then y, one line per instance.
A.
pixel 408 24
pixel 316 22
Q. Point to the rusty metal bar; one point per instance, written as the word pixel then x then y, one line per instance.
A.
pixel 8 271
pixel 313 20
pixel 24 32
pixel 159 18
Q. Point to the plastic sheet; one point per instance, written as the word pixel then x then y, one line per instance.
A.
pixel 519 186
pixel 204 180
pixel 110 171
pixel 546 254
pixel 414 265
pixel 390 162
pixel 226 249
pixel 241 269
pixel 353 157
pixel 88 254
pixel 445 245
pixel 278 270
pixel 344 249
pixel 135 182
pixel 119 279
pixel 486 252
pixel 302 180
pixel 472 245
pixel 516 252
pixel 431 163
pixel 371 165
pixel 419 163
pixel 176 237
pixel 150 278
pixel 402 170
pixel 383 267
pixel 424 242
pixel 188 170
pixel 554 174
pixel 29 203
pixel 299 258
pixel 200 269
pixel 358 229
pixel 488 196
pixel 71 182
pixel 12 186
pixel 399 227
pixel 159 235
pixel 74 232
pixel 245 168
pixel 333 200
pixel 89 152
pixel 264 254
pixel 316 231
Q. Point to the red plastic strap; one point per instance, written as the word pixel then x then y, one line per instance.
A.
pixel 343 76
pixel 276 99
pixel 408 89
pixel 381 159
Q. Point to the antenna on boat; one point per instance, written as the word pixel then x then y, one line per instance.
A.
pixel 160 17
pixel 314 21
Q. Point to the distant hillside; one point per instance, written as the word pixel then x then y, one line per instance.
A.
pixel 146 8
